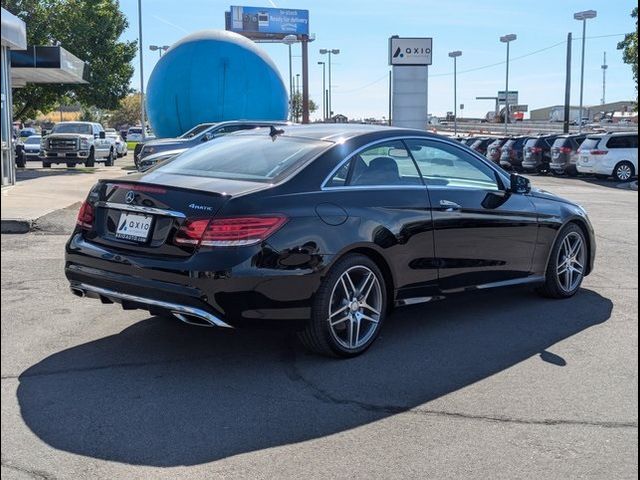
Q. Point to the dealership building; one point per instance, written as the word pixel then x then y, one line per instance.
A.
pixel 22 64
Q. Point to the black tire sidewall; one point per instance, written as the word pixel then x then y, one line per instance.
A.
pixel 615 171
pixel 552 276
pixel 320 309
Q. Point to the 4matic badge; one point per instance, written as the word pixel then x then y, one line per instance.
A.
pixel 204 208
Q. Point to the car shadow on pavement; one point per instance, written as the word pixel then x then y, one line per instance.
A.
pixel 161 393
pixel 23 174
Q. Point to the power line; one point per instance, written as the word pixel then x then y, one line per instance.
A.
pixel 483 67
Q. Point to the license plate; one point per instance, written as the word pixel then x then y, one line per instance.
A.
pixel 134 226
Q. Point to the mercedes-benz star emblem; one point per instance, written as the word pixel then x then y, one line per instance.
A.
pixel 131 196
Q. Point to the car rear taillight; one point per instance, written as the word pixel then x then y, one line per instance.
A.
pixel 228 232
pixel 566 150
pixel 85 216
pixel 536 149
pixel 599 152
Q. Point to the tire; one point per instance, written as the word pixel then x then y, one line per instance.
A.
pixel 109 160
pixel 46 165
pixel 571 171
pixel 564 276
pixel 21 162
pixel 91 159
pixel 71 165
pixel 624 172
pixel 351 333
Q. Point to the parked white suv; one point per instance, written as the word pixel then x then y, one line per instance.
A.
pixel 610 154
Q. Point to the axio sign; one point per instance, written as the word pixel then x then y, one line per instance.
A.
pixel 410 51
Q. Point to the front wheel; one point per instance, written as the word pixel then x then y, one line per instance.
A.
pixel 567 264
pixel 624 172
pixel 91 159
pixel 109 160
pixel 348 309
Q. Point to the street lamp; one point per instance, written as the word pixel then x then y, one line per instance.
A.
pixel 290 40
pixel 159 48
pixel 329 52
pixel 142 112
pixel 583 16
pixel 324 105
pixel 507 39
pixel 455 56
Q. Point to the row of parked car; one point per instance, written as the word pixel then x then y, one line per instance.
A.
pixel 613 154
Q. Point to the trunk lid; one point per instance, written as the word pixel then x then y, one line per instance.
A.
pixel 143 217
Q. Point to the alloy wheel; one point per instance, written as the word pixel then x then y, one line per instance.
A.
pixel 571 261
pixel 623 172
pixel 355 307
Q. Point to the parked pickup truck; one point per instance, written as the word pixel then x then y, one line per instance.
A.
pixel 77 142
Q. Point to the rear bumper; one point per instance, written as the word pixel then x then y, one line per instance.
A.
pixel 244 294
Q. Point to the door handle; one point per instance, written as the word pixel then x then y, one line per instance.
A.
pixel 449 206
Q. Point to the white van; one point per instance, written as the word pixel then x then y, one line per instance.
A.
pixel 134 134
pixel 610 154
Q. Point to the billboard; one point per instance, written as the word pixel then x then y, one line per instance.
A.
pixel 410 51
pixel 262 22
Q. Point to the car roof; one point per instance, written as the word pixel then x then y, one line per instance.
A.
pixel 335 132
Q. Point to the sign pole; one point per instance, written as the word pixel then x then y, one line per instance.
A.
pixel 305 79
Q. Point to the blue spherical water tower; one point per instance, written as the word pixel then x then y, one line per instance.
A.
pixel 211 76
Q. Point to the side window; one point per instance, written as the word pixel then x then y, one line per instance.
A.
pixel 386 163
pixel 619 142
pixel 446 165
pixel 633 141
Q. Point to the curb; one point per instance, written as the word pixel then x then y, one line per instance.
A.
pixel 16 225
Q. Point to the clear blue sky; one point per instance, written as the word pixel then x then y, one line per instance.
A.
pixel 361 28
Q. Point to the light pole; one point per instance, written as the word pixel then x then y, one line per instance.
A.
pixel 329 52
pixel 142 113
pixel 297 98
pixel 290 40
pixel 159 48
pixel 583 16
pixel 507 39
pixel 324 106
pixel 455 56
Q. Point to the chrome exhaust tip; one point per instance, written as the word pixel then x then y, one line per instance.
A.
pixel 78 292
pixel 192 319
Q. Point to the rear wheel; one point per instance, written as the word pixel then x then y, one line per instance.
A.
pixel 567 264
pixel 624 171
pixel 348 309
pixel 46 165
pixel 21 161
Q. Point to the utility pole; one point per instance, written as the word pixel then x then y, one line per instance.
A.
pixel 142 112
pixel 567 88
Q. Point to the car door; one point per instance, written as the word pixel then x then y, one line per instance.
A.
pixel 482 234
pixel 102 145
pixel 387 204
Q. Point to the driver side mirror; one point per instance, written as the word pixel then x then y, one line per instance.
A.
pixel 519 184
pixel 207 136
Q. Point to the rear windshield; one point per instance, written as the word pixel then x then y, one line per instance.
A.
pixel 197 130
pixel 248 157
pixel 135 130
pixel 561 142
pixel 78 128
pixel 590 143
pixel 532 142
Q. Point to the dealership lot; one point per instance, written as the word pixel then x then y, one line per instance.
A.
pixel 495 384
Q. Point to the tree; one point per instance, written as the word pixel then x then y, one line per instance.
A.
pixel 630 50
pixel 90 30
pixel 296 106
pixel 128 113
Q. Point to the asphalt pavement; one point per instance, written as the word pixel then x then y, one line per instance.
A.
pixel 496 384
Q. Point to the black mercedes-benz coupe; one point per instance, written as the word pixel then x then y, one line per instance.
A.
pixel 324 228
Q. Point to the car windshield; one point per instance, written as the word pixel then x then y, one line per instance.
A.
pixel 79 128
pixel 252 157
pixel 197 130
pixel 590 143
pixel 33 139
